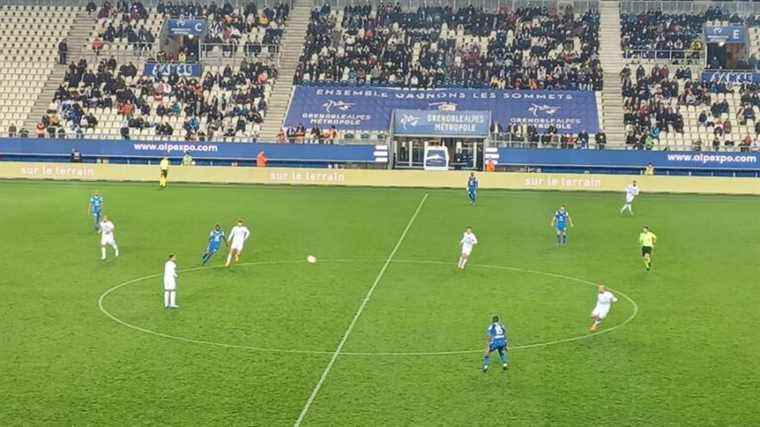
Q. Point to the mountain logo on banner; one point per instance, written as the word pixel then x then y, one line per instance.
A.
pixel 535 109
pixel 409 120
pixel 443 106
pixel 338 105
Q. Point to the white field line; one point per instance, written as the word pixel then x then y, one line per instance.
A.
pixel 351 325
pixel 346 353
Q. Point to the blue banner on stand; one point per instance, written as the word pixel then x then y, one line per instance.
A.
pixel 733 33
pixel 628 159
pixel 449 124
pixel 186 27
pixel 33 147
pixel 730 77
pixel 370 108
pixel 164 70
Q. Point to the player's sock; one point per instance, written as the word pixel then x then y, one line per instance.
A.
pixel 115 249
pixel 559 239
pixel 229 260
pixel 102 252
pixel 486 361
pixel 564 239
pixel 464 262
pixel 172 298
pixel 503 358
pixel 204 259
pixel 166 299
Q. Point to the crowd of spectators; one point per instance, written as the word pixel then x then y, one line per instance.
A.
pixel 655 102
pixel 225 103
pixel 529 136
pixel 249 27
pixel 527 48
pixel 124 21
pixel 655 34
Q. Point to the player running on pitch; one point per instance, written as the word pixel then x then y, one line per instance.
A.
pixel 215 239
pixel 496 340
pixel 106 237
pixel 472 188
pixel 604 300
pixel 96 208
pixel 560 222
pixel 647 239
pixel 237 237
pixel 630 193
pixel 468 241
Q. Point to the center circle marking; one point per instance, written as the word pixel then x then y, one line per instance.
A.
pixel 116 319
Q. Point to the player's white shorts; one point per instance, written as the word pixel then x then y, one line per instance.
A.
pixel 237 245
pixel 600 312
pixel 107 239
pixel 170 285
pixel 629 199
pixel 466 250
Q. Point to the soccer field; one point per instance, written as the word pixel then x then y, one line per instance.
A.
pixel 89 342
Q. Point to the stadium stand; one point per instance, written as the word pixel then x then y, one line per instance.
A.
pixel 676 110
pixel 29 39
pixel 226 103
pixel 127 26
pixel 105 94
pixel 658 35
pixel 527 48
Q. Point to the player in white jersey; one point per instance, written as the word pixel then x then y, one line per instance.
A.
pixel 106 237
pixel 237 237
pixel 170 282
pixel 468 241
pixel 630 193
pixel 604 300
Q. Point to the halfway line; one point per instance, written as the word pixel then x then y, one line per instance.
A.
pixel 351 325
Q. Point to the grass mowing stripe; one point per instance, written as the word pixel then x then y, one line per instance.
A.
pixel 351 325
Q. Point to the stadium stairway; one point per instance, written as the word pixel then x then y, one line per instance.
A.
pixel 291 50
pixel 611 56
pixel 75 39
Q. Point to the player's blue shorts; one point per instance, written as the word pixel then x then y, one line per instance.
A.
pixel 561 228
pixel 472 193
pixel 213 248
pixel 497 346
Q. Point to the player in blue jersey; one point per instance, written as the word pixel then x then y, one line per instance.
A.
pixel 472 188
pixel 496 340
pixel 96 208
pixel 215 239
pixel 560 221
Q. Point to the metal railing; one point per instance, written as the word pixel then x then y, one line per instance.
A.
pixel 681 55
pixel 489 5
pixel 147 3
pixel 219 52
pixel 696 7
pixel 509 140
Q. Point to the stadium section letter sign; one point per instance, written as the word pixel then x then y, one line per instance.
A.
pixel 164 70
pixel 627 158
pixel 441 123
pixel 370 108
pixel 733 33
pixel 186 27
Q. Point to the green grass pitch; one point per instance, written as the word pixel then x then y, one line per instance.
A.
pixel 249 344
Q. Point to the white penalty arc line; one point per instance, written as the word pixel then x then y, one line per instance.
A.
pixel 351 325
pixel 353 260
